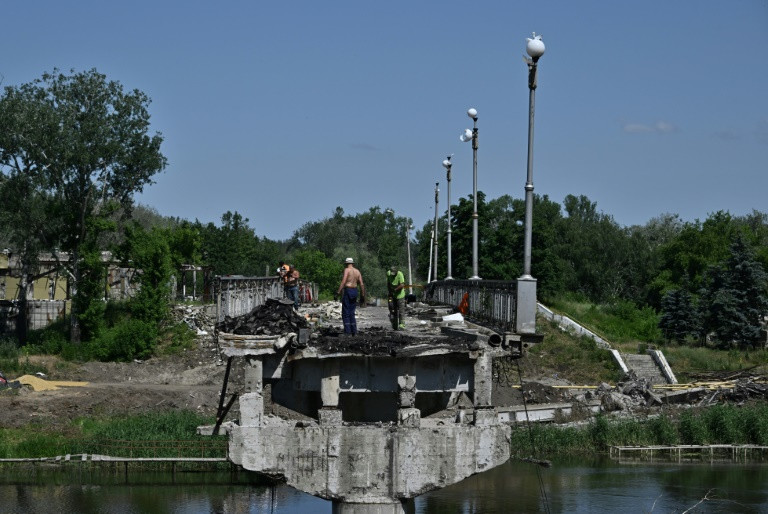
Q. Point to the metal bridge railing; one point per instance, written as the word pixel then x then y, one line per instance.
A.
pixel 237 295
pixel 489 302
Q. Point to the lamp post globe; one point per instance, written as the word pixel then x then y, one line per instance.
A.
pixel 535 46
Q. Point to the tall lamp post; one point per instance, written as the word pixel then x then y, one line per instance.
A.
pixel 447 166
pixel 408 227
pixel 526 284
pixel 434 238
pixel 471 135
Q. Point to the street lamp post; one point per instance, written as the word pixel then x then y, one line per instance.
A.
pixel 434 238
pixel 408 228
pixel 447 166
pixel 408 242
pixel 471 135
pixel 526 284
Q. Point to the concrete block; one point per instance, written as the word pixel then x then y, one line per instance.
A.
pixel 526 305
pixel 254 370
pixel 251 409
pixel 409 417
pixel 329 416
pixel 486 417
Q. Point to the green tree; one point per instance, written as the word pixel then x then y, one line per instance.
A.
pixel 82 143
pixel 594 249
pixel 679 319
pixel 150 254
pixel 734 298
pixel 315 267
pixel 235 249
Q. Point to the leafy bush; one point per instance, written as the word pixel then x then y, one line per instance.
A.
pixel 664 430
pixel 49 340
pixel 128 340
pixel 175 339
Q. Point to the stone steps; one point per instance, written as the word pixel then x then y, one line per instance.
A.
pixel 644 367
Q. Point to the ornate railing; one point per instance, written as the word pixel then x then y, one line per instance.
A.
pixel 489 302
pixel 237 295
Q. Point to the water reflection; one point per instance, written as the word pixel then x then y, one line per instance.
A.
pixel 568 486
pixel 604 486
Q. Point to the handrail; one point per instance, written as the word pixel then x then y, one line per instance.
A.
pixel 489 302
pixel 237 294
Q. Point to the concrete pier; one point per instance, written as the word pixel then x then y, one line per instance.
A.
pixel 378 434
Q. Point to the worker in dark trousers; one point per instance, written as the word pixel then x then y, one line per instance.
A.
pixel 348 290
pixel 292 286
pixel 396 297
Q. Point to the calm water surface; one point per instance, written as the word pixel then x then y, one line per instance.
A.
pixel 601 487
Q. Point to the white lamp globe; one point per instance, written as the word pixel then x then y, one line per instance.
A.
pixel 472 112
pixel 535 46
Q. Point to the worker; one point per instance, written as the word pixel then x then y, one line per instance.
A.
pixel 291 284
pixel 396 297
pixel 348 290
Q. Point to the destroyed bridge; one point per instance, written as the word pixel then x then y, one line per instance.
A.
pixel 369 429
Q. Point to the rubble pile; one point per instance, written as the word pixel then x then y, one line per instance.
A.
pixel 634 392
pixel 197 318
pixel 373 341
pixel 275 317
pixel 536 393
pixel 739 391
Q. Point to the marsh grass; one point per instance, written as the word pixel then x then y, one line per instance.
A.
pixel 722 424
pixel 169 434
pixel 692 360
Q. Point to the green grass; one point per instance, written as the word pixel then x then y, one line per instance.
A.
pixel 578 359
pixel 619 322
pixel 686 361
pixel 722 424
pixel 13 361
pixel 168 434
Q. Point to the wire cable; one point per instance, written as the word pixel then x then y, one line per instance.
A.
pixel 542 489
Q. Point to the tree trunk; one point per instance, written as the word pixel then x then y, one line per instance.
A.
pixel 74 323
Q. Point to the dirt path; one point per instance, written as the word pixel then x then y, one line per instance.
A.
pixel 192 380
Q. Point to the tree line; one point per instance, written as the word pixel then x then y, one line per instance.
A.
pixel 76 148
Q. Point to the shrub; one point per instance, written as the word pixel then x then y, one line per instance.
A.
pixel 692 428
pixel 664 430
pixel 128 340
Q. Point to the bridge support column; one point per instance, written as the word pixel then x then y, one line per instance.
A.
pixel 330 414
pixel 483 381
pixel 526 305
pixel 252 401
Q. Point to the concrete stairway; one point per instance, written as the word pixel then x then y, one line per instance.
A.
pixel 644 367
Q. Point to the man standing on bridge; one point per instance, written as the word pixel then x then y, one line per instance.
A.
pixel 349 283
pixel 396 297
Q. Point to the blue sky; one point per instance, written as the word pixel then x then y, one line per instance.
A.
pixel 283 111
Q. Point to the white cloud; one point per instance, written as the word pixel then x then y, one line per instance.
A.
pixel 660 127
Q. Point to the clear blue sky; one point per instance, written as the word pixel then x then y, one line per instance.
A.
pixel 283 111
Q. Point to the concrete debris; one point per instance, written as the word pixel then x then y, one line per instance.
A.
pixel 199 319
pixel 274 317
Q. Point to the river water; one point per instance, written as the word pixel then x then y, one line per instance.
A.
pixel 601 486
